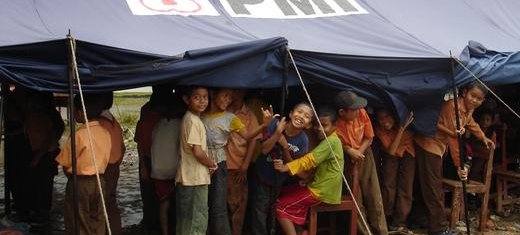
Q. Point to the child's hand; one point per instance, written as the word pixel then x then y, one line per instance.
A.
pixel 279 166
pixel 463 173
pixel 281 125
pixel 268 115
pixel 213 168
pixel 355 154
pixel 460 131
pixel 489 143
pixel 409 120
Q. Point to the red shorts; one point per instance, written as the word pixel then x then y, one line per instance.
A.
pixel 295 204
pixel 163 188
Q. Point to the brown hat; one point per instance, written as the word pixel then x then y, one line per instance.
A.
pixel 349 100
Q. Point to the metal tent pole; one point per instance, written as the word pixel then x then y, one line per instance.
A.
pixel 72 128
pixel 462 150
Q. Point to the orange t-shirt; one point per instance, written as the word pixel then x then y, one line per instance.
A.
pixel 438 144
pixel 116 134
pixel 237 146
pixel 388 136
pixel 352 132
pixel 100 140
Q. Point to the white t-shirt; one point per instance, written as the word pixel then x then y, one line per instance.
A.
pixel 165 149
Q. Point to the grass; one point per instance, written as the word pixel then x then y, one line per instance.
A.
pixel 131 98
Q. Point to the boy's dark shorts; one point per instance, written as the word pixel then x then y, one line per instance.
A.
pixel 164 188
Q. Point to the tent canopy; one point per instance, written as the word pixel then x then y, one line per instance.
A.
pixel 393 52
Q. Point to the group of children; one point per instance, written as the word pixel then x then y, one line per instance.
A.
pixel 200 155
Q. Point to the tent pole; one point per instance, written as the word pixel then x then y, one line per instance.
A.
pixel 462 147
pixel 7 190
pixel 285 76
pixel 72 128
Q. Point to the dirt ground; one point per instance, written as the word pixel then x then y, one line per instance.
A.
pixel 131 207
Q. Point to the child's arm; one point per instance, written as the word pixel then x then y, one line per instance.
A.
pixel 202 157
pixel 474 128
pixel 268 117
pixel 446 130
pixel 299 165
pixel 285 149
pixel 393 147
pixel 269 144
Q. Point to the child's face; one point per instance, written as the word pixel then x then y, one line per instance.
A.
pixel 385 120
pixel 473 98
pixel 222 99
pixel 348 114
pixel 486 121
pixel 197 102
pixel 328 127
pixel 301 116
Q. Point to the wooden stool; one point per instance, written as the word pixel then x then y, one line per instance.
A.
pixel 346 204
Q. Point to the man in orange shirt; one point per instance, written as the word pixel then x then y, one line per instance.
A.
pixel 355 131
pixel 91 220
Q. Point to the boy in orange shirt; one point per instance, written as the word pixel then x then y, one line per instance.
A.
pixel 355 131
pixel 398 168
pixel 91 220
pixel 430 150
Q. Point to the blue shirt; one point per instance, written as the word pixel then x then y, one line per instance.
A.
pixel 298 146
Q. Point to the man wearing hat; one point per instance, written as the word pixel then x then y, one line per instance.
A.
pixel 355 131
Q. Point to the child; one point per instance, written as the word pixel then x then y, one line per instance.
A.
pixel 219 123
pixel 91 219
pixel 327 159
pixel 355 131
pixel 117 152
pixel 430 150
pixel 398 168
pixel 165 154
pixel 283 139
pixel 195 167
pixel 480 151
pixel 149 116
pixel 240 152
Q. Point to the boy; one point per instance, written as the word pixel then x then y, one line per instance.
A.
pixel 430 151
pixel 327 159
pixel 117 152
pixel 398 168
pixel 240 152
pixel 219 124
pixel 91 220
pixel 283 139
pixel 165 155
pixel 355 131
pixel 195 167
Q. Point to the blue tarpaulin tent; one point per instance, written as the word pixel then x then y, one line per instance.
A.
pixel 393 52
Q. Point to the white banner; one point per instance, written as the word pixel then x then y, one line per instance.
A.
pixel 291 9
pixel 172 7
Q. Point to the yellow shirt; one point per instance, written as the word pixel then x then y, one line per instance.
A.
pixel 191 172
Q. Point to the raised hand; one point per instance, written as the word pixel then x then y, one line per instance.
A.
pixel 268 115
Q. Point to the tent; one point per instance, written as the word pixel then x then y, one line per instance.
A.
pixel 394 52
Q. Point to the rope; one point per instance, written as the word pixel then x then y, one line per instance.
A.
pixel 489 89
pixel 327 140
pixel 92 153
